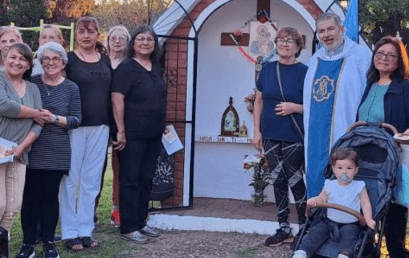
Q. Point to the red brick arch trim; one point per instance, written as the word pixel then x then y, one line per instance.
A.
pixel 183 28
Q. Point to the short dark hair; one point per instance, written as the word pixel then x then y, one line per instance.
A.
pixel 26 52
pixel 373 73
pixel 293 33
pixel 342 154
pixel 155 55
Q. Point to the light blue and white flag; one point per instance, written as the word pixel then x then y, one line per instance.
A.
pixel 351 22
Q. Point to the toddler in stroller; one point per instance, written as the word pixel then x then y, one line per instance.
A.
pixel 342 191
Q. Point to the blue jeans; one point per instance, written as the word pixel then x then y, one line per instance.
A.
pixel 320 233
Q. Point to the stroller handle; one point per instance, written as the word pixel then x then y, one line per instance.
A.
pixel 382 125
pixel 358 215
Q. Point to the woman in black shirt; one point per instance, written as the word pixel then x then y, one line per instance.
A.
pixel 90 68
pixel 139 107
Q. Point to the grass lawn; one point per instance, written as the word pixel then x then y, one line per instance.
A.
pixel 109 237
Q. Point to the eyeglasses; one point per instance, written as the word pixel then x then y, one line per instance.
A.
pixel 284 41
pixel 54 59
pixel 387 57
pixel 120 39
pixel 142 39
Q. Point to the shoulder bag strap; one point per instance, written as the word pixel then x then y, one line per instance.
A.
pixel 282 95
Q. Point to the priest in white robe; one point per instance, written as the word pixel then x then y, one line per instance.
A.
pixel 333 87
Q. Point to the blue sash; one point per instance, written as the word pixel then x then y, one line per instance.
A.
pixel 323 98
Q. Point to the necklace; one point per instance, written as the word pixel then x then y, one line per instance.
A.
pixel 87 63
pixel 52 85
pixel 48 90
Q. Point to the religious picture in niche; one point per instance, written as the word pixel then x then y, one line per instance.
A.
pixel 262 40
pixel 230 125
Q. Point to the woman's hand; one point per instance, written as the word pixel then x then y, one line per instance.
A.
pixel 40 117
pixel 257 139
pixel 48 115
pixel 287 108
pixel 16 151
pixel 120 141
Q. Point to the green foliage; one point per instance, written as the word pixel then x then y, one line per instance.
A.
pixel 131 13
pixel 25 13
pixel 384 17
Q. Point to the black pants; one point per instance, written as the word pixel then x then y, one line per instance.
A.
pixel 395 230
pixel 40 203
pixel 285 160
pixel 137 165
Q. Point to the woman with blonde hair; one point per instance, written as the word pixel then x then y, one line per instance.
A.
pixel 8 36
pixel 50 33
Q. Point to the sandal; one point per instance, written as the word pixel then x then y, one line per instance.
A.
pixel 74 244
pixel 89 242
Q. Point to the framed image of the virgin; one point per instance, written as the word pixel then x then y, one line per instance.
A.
pixel 262 37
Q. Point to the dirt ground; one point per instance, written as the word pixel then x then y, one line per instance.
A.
pixel 192 244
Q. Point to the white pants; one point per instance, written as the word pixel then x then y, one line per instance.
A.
pixel 79 189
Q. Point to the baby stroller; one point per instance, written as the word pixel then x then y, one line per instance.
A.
pixel 379 163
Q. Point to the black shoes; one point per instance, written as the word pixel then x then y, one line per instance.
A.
pixel 282 236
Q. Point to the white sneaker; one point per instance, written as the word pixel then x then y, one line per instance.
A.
pixel 300 254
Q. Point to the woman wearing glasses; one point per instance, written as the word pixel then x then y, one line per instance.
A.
pixel 139 100
pixel 116 43
pixel 386 100
pixel 278 128
pixel 50 155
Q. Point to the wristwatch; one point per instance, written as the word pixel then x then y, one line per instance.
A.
pixel 56 119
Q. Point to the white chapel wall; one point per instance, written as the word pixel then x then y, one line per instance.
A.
pixel 223 72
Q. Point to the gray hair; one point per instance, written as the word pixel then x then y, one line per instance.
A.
pixel 327 16
pixel 121 29
pixel 55 48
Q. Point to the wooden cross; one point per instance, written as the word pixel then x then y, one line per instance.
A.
pixel 229 39
pixel 263 10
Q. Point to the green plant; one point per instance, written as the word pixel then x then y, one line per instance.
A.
pixel 259 178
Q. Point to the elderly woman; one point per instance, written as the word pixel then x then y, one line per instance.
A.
pixel 50 33
pixel 279 102
pixel 90 68
pixel 117 40
pixel 386 100
pixel 50 155
pixel 20 122
pixel 139 106
pixel 8 36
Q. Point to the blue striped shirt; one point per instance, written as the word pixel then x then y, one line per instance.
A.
pixel 52 151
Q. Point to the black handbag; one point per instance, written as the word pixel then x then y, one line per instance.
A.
pixel 164 179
